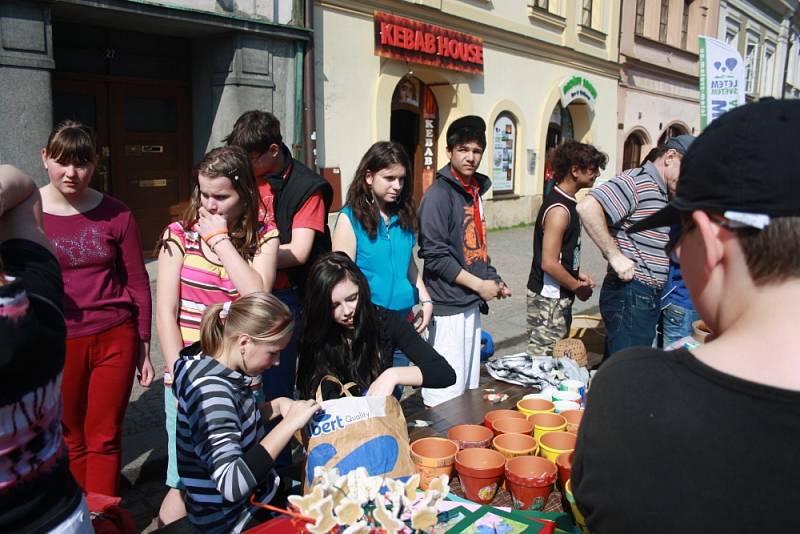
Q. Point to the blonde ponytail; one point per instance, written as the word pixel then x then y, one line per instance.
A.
pixel 259 315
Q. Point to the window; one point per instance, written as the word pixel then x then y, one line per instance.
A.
pixel 542 4
pixel 586 13
pixel 639 28
pixel 503 147
pixel 662 22
pixel 732 33
pixel 768 75
pixel 685 23
pixel 632 151
pixel 751 63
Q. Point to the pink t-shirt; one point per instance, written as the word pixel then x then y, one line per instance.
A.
pixel 105 281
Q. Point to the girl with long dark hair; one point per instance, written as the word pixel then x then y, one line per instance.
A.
pixel 376 229
pixel 347 336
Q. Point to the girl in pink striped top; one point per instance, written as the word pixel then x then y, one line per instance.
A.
pixel 222 249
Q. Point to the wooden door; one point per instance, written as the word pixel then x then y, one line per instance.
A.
pixel 150 147
pixel 87 102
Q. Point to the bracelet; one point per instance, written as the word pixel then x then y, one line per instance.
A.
pixel 211 234
pixel 217 242
pixel 425 301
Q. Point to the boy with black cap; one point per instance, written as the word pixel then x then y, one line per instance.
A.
pixel 457 270
pixel 637 264
pixel 710 442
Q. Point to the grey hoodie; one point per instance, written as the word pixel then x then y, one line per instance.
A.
pixel 448 243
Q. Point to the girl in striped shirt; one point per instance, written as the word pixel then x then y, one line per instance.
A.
pixel 224 451
pixel 221 249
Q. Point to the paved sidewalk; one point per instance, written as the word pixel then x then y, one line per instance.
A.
pixel 144 438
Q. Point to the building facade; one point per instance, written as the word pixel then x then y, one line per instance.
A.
pixel 161 82
pixel 659 87
pixel 537 71
pixel 766 34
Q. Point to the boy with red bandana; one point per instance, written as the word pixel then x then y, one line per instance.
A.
pixel 457 269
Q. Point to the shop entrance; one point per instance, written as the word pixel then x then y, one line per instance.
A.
pixel 143 123
pixel 415 125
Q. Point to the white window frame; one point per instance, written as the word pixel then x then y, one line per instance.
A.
pixel 751 58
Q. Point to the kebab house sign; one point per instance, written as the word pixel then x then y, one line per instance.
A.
pixel 417 42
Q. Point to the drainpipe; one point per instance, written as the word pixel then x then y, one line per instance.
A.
pixel 298 149
pixel 309 98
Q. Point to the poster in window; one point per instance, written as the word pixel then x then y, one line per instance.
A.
pixel 503 155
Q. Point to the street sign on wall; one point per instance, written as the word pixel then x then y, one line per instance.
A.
pixel 418 42
pixel 722 85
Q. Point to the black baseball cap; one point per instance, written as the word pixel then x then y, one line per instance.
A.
pixel 468 122
pixel 744 166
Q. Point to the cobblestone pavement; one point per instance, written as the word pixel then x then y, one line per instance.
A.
pixel 144 438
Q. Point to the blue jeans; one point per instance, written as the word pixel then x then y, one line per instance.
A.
pixel 630 312
pixel 676 323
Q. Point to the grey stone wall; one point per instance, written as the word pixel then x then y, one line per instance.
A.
pixel 237 73
pixel 26 59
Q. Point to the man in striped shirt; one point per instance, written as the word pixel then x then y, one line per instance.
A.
pixel 637 263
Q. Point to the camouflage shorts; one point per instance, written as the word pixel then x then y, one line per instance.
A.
pixel 548 321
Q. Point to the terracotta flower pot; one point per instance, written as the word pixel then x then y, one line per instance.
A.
pixel 499 414
pixel 554 443
pixel 530 481
pixel 512 425
pixel 532 406
pixel 564 464
pixel 573 418
pixel 700 331
pixel 546 422
pixel 480 472
pixel 471 436
pixel 433 457
pixel 512 445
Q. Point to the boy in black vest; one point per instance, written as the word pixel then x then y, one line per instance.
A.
pixel 555 278
pixel 299 200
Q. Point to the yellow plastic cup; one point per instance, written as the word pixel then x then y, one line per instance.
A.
pixel 551 444
pixel 529 407
pixel 576 512
pixel 546 422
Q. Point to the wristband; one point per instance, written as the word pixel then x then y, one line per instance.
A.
pixel 425 301
pixel 217 242
pixel 211 234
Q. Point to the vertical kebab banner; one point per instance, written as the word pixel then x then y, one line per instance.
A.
pixel 722 86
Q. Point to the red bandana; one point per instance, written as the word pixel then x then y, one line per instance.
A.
pixel 471 186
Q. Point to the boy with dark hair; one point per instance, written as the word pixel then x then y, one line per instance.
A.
pixel 555 279
pixel 299 199
pixel 710 442
pixel 457 270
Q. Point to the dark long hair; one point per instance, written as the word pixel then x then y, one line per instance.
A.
pixel 232 163
pixel 381 155
pixel 324 347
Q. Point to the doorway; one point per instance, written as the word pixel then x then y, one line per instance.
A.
pixel 144 140
pixel 133 89
pixel 414 124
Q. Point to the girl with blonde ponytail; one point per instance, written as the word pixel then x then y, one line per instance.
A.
pixel 224 450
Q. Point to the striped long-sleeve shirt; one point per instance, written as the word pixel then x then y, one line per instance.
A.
pixel 626 199
pixel 220 460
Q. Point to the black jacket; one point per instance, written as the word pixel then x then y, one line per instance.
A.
pixel 289 195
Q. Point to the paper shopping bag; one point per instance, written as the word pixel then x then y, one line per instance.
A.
pixel 353 432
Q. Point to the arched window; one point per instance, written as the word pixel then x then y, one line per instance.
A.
pixel 673 130
pixel 504 144
pixel 632 151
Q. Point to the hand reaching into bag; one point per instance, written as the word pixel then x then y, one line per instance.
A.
pixel 299 413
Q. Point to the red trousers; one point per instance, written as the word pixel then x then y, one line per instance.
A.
pixel 98 377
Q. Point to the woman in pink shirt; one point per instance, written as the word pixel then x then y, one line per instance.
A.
pixel 106 306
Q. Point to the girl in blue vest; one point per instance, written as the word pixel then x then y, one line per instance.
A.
pixel 377 229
